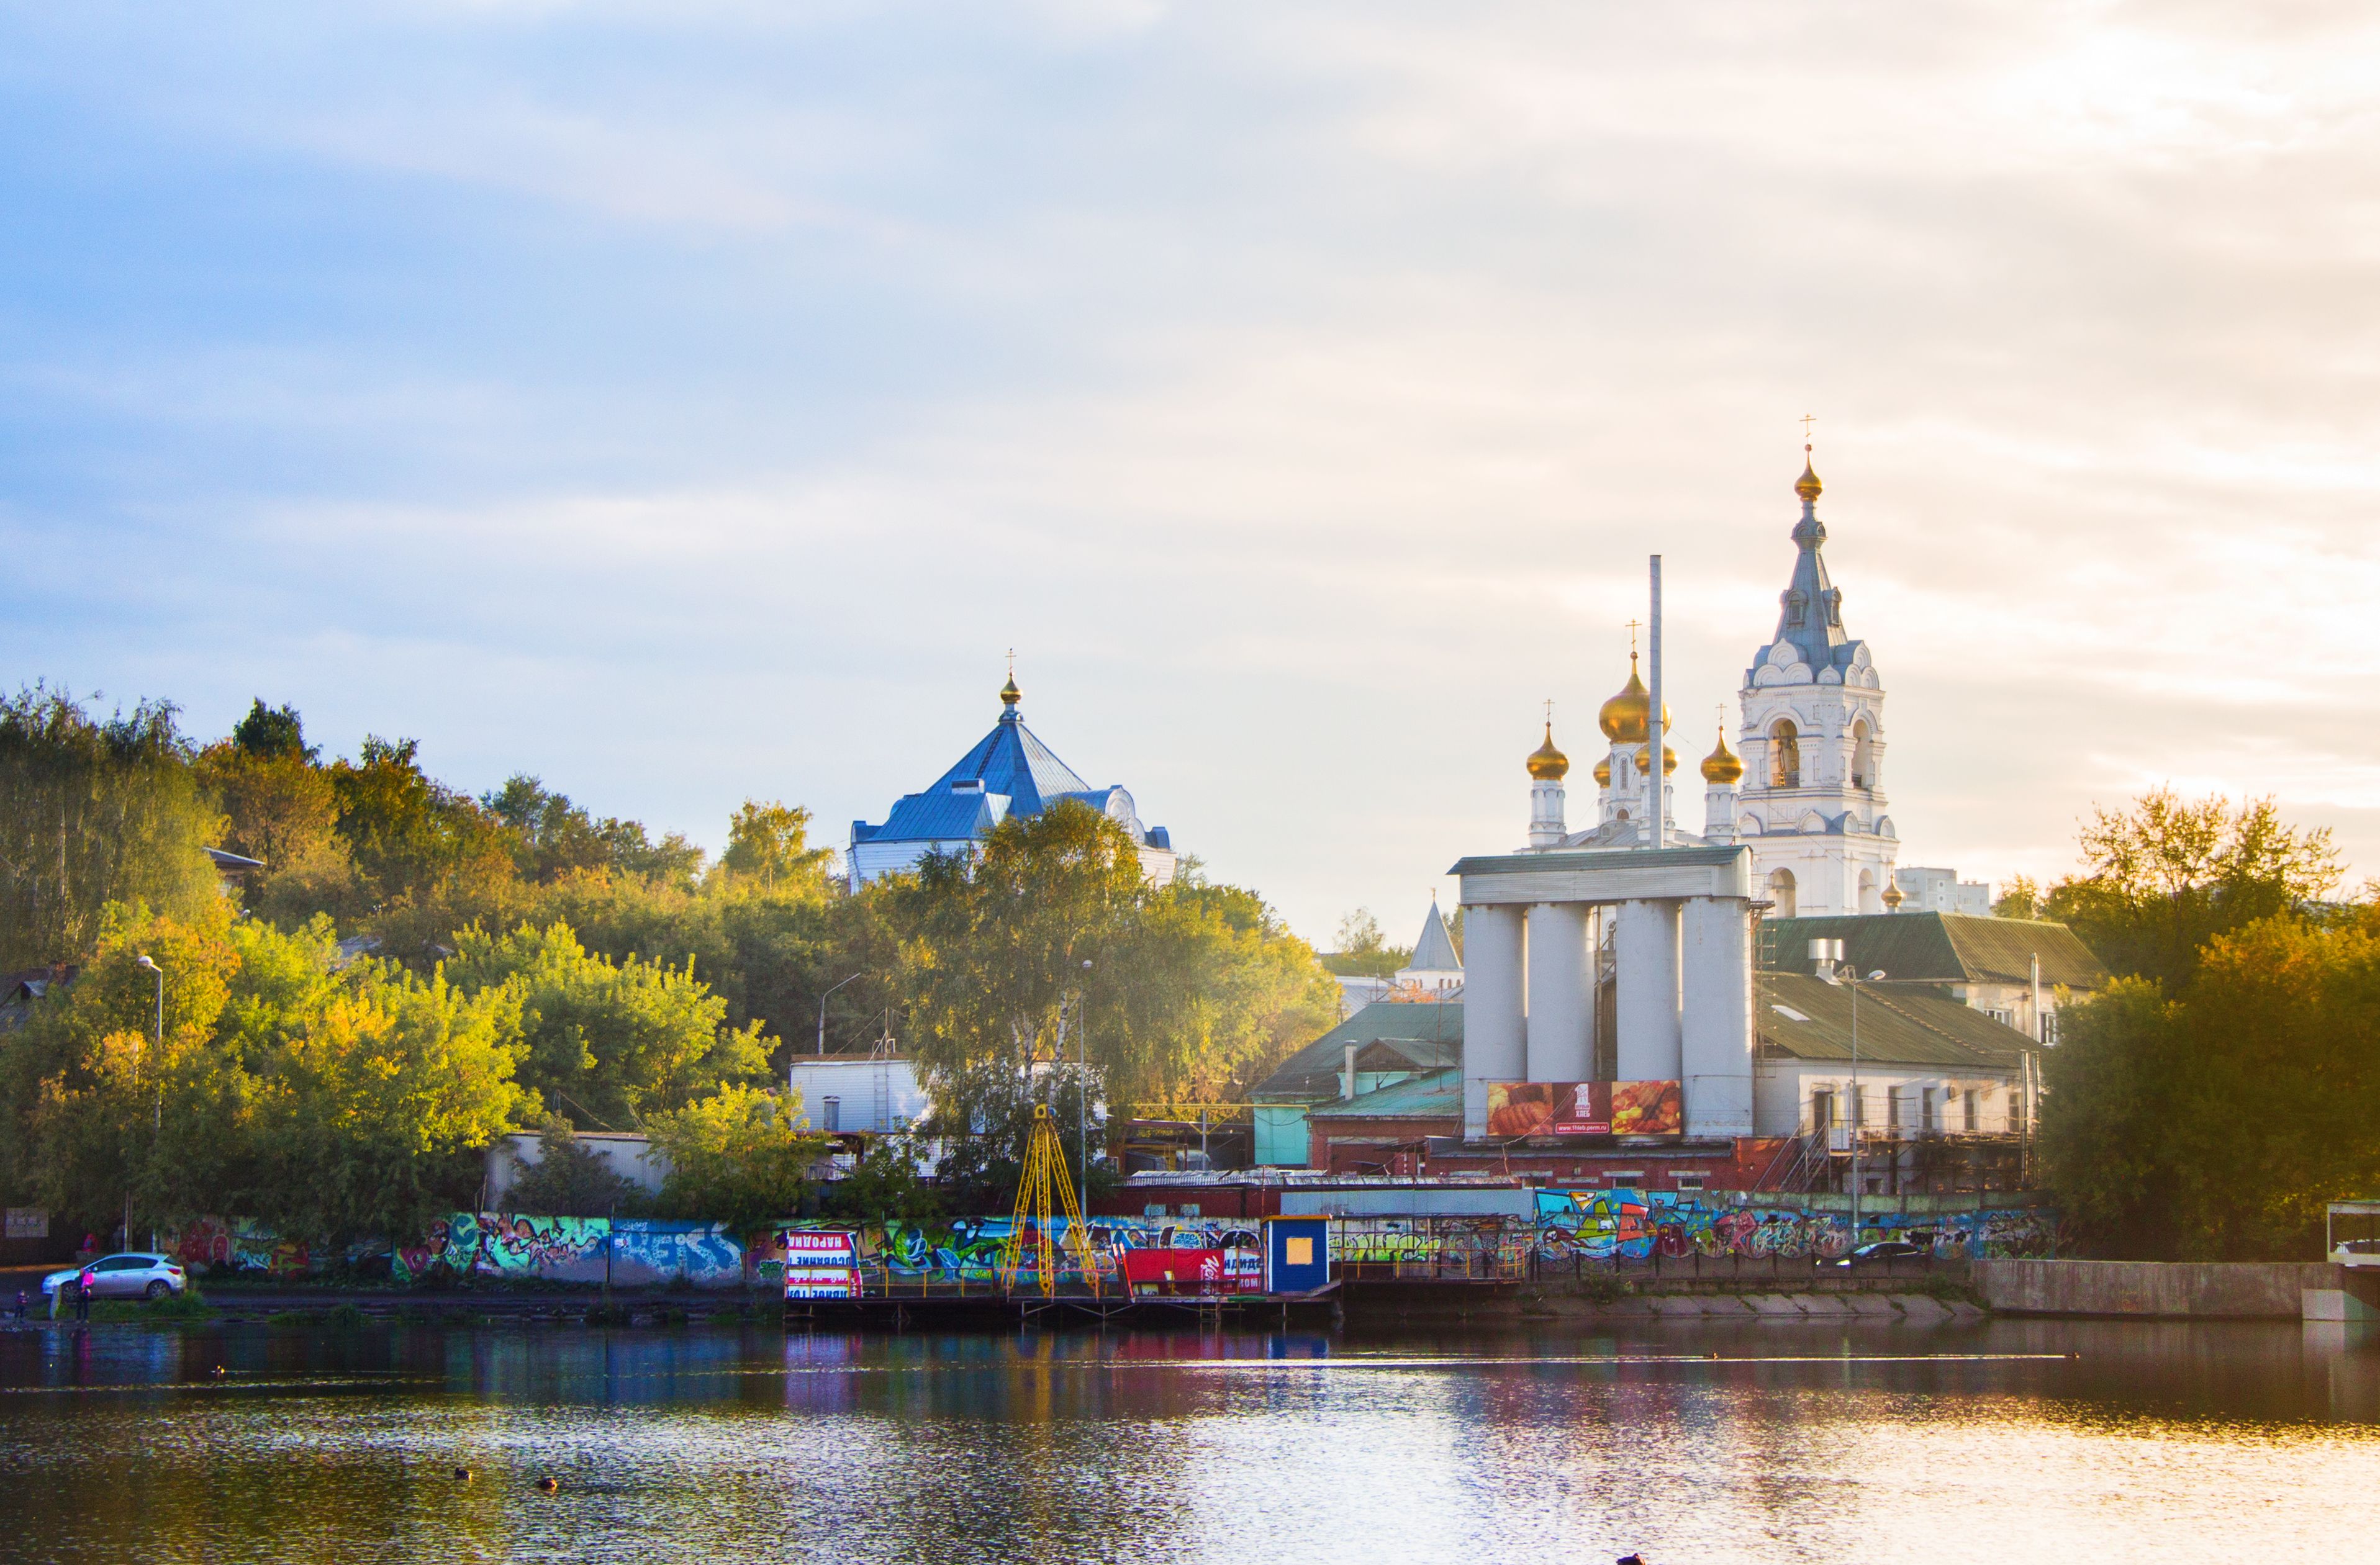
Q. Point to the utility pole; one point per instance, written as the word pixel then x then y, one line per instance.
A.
pixel 1657 810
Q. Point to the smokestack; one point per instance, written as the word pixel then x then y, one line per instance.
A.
pixel 1659 810
pixel 1347 1087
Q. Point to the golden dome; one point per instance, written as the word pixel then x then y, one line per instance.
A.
pixel 1892 897
pixel 1645 759
pixel 1722 766
pixel 1548 764
pixel 1807 486
pixel 1623 717
pixel 1603 772
pixel 1009 694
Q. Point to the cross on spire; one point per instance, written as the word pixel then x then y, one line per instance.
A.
pixel 1807 420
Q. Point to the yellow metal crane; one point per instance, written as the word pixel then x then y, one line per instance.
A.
pixel 1045 1171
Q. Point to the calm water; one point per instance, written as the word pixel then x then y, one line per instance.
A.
pixel 1980 1443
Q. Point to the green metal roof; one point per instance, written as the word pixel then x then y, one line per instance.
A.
pixel 1937 948
pixel 1810 1019
pixel 1438 1096
pixel 1388 1036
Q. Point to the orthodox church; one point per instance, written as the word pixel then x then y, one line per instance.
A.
pixel 1806 792
pixel 1009 773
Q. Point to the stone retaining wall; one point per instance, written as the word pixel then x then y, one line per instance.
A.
pixel 2208 1290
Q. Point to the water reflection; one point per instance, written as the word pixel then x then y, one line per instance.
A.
pixel 2014 1440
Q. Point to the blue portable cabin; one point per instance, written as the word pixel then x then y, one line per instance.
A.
pixel 1296 1254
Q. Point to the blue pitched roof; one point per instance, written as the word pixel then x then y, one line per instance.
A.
pixel 1012 762
pixel 1009 771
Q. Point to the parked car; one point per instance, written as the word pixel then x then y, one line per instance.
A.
pixel 133 1275
pixel 1885 1250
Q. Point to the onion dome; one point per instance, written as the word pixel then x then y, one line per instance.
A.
pixel 1623 717
pixel 1603 772
pixel 1892 897
pixel 1009 694
pixel 1807 486
pixel 1548 764
pixel 1722 767
pixel 1645 759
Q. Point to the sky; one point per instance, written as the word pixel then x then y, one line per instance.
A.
pixel 685 402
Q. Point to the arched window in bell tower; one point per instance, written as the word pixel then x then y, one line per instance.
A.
pixel 1780 891
pixel 1784 755
pixel 1863 756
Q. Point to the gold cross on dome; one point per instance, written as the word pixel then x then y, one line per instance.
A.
pixel 1012 663
pixel 1807 418
pixel 1632 625
pixel 1549 712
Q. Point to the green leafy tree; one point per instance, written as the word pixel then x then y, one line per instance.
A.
pixel 740 1157
pixel 2216 1124
pixel 2019 898
pixel 2167 874
pixel 614 1041
pixel 374 1107
pixel 281 808
pixel 571 1180
pixel 273 734
pixel 553 837
pixel 92 812
pixel 884 1184
pixel 769 844
pixel 1364 952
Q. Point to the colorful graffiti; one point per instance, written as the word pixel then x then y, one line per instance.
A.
pixel 630 1252
pixel 240 1245
pixel 1638 1225
pixel 967 1250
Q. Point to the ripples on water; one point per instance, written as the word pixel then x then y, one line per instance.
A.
pixel 1989 1443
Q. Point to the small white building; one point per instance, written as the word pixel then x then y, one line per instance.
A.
pixel 866 1094
pixel 1927 890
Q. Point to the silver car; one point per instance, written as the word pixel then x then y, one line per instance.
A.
pixel 133 1275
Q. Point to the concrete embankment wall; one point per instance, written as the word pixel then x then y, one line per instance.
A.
pixel 2209 1290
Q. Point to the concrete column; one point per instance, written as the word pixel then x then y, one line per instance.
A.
pixel 1716 1015
pixel 1644 943
pixel 1494 1044
pixel 1561 1016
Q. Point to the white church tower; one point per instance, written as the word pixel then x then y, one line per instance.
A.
pixel 1811 803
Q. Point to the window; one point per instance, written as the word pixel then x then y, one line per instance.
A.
pixel 1822 1109
pixel 1926 1110
pixel 1858 1095
pixel 1975 1109
pixel 1785 756
pixel 1863 756
pixel 1892 1109
pixel 1780 891
pixel 123 1263
pixel 1687 1182
pixel 833 1108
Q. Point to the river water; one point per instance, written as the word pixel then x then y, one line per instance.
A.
pixel 2011 1440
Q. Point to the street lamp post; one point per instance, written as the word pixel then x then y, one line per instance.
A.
pixel 1083 1087
pixel 831 989
pixel 157 1125
pixel 1829 957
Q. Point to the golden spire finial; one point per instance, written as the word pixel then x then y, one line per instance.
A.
pixel 1807 486
pixel 1722 767
pixel 1547 763
pixel 1009 694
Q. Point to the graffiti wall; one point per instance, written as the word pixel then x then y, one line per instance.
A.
pixel 1637 1225
pixel 240 1246
pixel 638 1252
pixel 969 1249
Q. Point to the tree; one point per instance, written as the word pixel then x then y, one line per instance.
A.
pixel 884 1185
pixel 376 1104
pixel 570 1179
pixel 614 1041
pixel 281 808
pixel 553 837
pixel 421 847
pixel 770 842
pixel 1051 946
pixel 2168 874
pixel 2019 898
pixel 741 1156
pixel 2214 1125
pixel 273 734
pixel 93 812
pixel 1364 951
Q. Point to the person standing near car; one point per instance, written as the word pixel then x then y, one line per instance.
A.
pixel 83 1286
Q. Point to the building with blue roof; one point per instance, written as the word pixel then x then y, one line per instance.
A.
pixel 1009 771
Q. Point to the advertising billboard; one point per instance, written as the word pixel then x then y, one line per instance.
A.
pixel 1523 1109
pixel 821 1264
